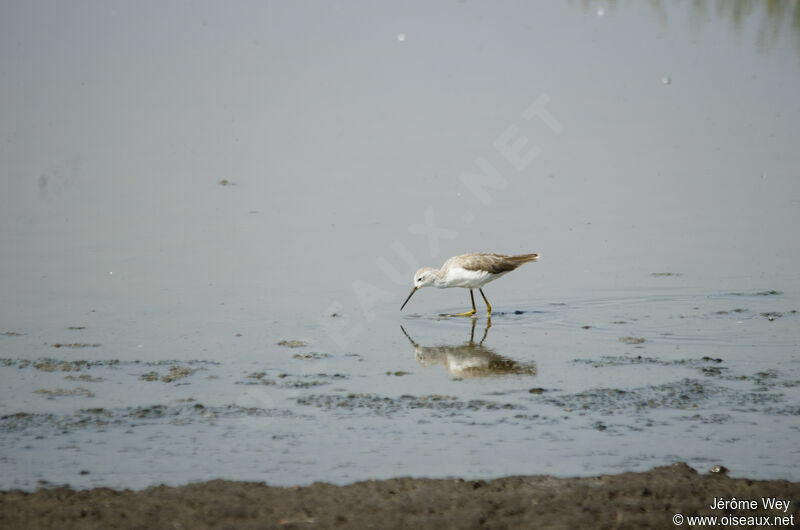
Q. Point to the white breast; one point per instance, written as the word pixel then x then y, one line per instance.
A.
pixel 458 277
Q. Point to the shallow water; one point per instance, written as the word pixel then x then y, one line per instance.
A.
pixel 209 220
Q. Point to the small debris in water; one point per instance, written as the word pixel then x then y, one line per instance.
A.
pixel 86 378
pixel 736 310
pixel 665 274
pixel 537 390
pixel 178 372
pixel 632 340
pixel 226 182
pixel 75 345
pixel 11 334
pixel 711 359
pixel 175 373
pixel 76 327
pixel 60 392
pixel 311 356
pixel 666 80
pixel 284 380
pixel 398 373
pixel 293 343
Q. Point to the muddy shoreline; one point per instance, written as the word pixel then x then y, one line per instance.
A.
pixel 628 500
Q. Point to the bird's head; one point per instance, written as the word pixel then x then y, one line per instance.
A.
pixel 422 278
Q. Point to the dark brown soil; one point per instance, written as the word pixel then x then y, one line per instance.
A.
pixel 628 500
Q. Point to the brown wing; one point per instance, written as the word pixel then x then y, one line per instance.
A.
pixel 494 263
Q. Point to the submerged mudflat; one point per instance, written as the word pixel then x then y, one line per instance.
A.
pixel 574 388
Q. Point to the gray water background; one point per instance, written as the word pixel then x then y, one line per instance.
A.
pixel 190 184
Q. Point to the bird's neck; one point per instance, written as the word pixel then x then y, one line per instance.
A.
pixel 439 278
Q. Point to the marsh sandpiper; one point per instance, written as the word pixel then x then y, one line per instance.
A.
pixel 471 271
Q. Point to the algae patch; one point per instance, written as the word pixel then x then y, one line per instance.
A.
pixel 176 373
pixel 313 356
pixel 86 378
pixel 292 343
pixel 63 392
pixel 681 395
pixel 388 406
pixel 284 380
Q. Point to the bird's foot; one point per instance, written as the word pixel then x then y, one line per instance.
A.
pixel 467 314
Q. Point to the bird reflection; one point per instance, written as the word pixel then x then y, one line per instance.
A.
pixel 470 359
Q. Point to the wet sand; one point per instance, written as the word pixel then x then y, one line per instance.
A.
pixel 627 500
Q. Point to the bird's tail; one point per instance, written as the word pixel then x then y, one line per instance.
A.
pixel 523 258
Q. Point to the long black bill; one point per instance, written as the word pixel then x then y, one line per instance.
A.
pixel 414 290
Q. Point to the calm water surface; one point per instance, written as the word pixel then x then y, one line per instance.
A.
pixel 209 219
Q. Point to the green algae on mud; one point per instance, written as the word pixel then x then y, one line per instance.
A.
pixel 63 392
pixel 86 378
pixel 312 356
pixel 708 366
pixel 387 406
pixel 285 380
pixel 175 373
pixel 49 364
pixel 772 315
pixel 632 340
pixel 178 413
pixel 292 343
pixel 677 395
pixel 624 360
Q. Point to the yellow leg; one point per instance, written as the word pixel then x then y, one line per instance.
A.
pixel 488 306
pixel 468 313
